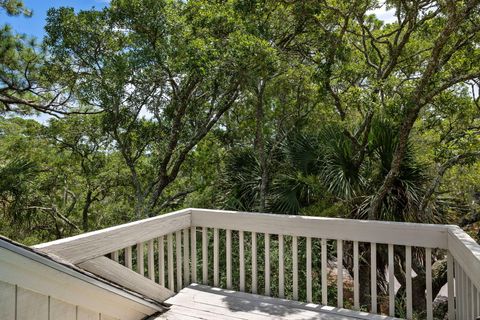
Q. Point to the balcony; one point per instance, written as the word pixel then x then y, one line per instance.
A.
pixel 224 264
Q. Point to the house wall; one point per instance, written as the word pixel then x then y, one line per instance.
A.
pixel 34 287
pixel 17 303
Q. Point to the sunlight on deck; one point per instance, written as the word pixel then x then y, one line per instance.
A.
pixel 204 302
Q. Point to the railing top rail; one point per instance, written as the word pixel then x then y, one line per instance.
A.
pixel 94 244
pixel 326 219
pixel 466 252
pixel 399 233
pixel 90 245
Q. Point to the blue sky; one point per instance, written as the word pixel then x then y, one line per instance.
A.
pixel 34 26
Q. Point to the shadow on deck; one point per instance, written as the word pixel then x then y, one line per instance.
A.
pixel 204 302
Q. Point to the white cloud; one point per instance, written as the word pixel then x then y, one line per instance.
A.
pixel 388 16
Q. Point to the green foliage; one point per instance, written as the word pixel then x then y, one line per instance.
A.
pixel 14 7
pixel 315 108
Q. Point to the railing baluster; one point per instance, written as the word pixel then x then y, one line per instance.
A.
pixel 356 291
pixel 193 247
pixel 408 275
pixel 458 294
pixel 216 271
pixel 150 260
pixel 450 286
pixel 324 272
pixel 128 257
pixel 115 256
pixel 161 261
pixel 373 275
pixel 140 265
pixel 309 269
pixel 241 259
pixel 228 241
pixel 464 294
pixel 391 282
pixel 469 299
pixel 267 264
pixel 178 255
pixel 477 302
pixel 473 299
pixel 204 255
pixel 428 263
pixel 171 281
pixel 340 273
pixel 186 257
pixel 295 266
pixel 281 271
pixel 254 262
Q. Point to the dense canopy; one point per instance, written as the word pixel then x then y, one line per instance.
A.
pixel 299 107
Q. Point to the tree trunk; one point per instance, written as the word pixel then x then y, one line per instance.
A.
pixel 421 96
pixel 86 207
pixel 260 144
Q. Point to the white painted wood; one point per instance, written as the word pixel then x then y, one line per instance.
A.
pixel 186 257
pixel 98 243
pixel 408 280
pixel 356 284
pixel 201 302
pixel 60 310
pixel 216 258
pixel 309 269
pixel 151 260
pixel 254 262
pixel 241 254
pixel 468 291
pixel 228 244
pixel 373 275
pixel 428 271
pixel 340 273
pixel 7 301
pixel 267 264
pixel 128 257
pixel 140 258
pixel 86 314
pixel 478 302
pixel 324 272
pixel 391 282
pixel 461 247
pixel 471 299
pixel 466 298
pixel 414 234
pixel 193 239
pixel 178 255
pixel 474 302
pixel 450 286
pixel 161 261
pixel 31 305
pixel 281 268
pixel 461 291
pixel 115 255
pixel 43 277
pixel 457 290
pixel 171 281
pixel 125 277
pixel 205 255
pixel 466 252
pixel 295 267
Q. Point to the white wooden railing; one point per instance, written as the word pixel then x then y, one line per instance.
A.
pixel 186 246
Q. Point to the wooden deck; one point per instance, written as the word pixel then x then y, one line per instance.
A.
pixel 203 302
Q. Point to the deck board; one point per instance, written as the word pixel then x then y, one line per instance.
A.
pixel 204 302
